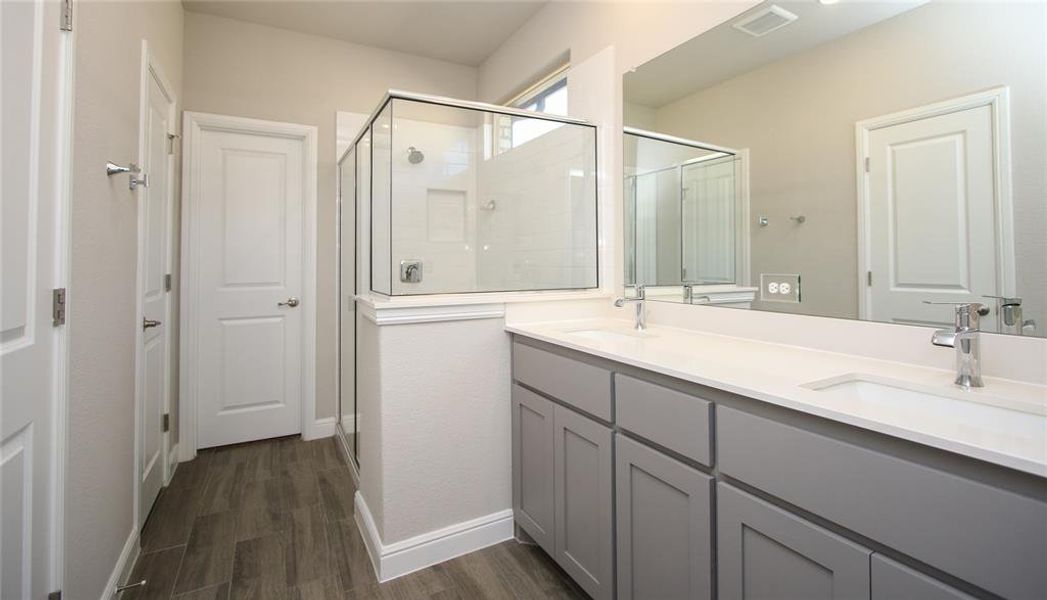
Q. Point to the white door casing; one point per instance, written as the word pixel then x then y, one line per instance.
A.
pixel 153 344
pixel 249 235
pixel 34 255
pixel 935 217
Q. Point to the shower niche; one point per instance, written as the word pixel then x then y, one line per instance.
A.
pixel 439 196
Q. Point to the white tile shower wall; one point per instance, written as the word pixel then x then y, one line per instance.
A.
pixel 538 231
pixel 434 206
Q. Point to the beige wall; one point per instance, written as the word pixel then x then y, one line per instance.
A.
pixel 798 115
pixel 98 492
pixel 242 69
pixel 639 31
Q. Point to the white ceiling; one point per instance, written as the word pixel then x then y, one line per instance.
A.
pixel 460 32
pixel 724 52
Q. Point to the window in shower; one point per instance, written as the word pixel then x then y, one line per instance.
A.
pixel 452 211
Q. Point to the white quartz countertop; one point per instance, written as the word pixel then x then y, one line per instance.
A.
pixel 778 374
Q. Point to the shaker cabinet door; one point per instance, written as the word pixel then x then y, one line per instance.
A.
pixel 533 499
pixel 764 552
pixel 583 490
pixel 664 526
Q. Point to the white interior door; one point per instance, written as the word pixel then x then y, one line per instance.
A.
pixel 154 227
pixel 932 216
pixel 247 201
pixel 32 179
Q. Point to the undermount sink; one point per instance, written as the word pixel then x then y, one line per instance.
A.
pixel 949 411
pixel 608 335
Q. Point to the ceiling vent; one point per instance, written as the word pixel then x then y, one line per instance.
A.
pixel 764 21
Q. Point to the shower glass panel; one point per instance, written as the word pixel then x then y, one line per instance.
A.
pixel 347 188
pixel 462 202
pixel 681 208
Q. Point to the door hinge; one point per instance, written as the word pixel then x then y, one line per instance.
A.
pixel 167 282
pixel 66 18
pixel 55 595
pixel 58 306
pixel 165 423
pixel 866 164
pixel 869 278
pixel 171 137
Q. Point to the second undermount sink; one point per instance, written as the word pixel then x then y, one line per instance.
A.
pixel 946 410
pixel 608 335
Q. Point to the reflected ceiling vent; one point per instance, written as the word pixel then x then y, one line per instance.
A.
pixel 764 21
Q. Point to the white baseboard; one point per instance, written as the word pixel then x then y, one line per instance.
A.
pixel 123 566
pixel 320 428
pixel 400 558
pixel 172 463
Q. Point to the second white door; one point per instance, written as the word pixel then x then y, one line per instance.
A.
pixel 246 241
pixel 932 216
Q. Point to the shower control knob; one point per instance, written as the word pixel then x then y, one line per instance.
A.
pixel 292 302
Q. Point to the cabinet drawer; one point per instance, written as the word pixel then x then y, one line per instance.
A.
pixel 581 385
pixel 669 418
pixel 991 537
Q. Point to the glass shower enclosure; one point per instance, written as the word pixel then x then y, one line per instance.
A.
pixel 440 196
pixel 682 212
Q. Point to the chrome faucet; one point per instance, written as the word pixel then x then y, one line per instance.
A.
pixel 641 306
pixel 965 339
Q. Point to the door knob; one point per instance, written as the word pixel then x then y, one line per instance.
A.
pixel 147 323
pixel 292 302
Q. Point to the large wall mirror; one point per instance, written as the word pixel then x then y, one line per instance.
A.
pixel 848 159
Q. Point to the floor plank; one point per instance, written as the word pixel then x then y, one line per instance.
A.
pixel 274 519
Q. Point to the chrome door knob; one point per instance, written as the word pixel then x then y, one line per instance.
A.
pixel 148 323
pixel 292 302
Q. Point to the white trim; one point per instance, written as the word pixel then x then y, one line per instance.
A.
pixel 319 428
pixel 743 245
pixel 172 464
pixel 400 558
pixel 150 69
pixel 63 169
pixel 998 100
pixel 383 314
pixel 192 126
pixel 124 563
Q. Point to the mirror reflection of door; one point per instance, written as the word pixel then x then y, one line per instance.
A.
pixel 709 204
pixel 936 212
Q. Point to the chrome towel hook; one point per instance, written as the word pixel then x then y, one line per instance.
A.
pixel 131 169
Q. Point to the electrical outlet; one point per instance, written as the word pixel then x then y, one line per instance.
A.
pixel 779 287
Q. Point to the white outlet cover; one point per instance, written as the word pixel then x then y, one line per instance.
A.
pixel 780 287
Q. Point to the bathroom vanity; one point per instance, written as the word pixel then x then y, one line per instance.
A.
pixel 652 465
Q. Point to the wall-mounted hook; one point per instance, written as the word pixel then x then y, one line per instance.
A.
pixel 763 221
pixel 799 219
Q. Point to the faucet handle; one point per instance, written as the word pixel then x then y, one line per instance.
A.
pixel 1005 300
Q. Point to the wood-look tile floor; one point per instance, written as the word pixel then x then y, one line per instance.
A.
pixel 274 519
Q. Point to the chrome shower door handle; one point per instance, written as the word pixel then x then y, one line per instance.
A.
pixel 292 302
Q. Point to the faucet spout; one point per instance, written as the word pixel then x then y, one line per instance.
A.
pixel 965 339
pixel 640 299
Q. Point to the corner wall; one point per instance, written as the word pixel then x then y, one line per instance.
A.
pixel 99 503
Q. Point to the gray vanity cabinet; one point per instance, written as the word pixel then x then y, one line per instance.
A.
pixel 766 552
pixel 894 581
pixel 583 497
pixel 664 526
pixel 533 505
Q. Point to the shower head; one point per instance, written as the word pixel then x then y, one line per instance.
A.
pixel 414 155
